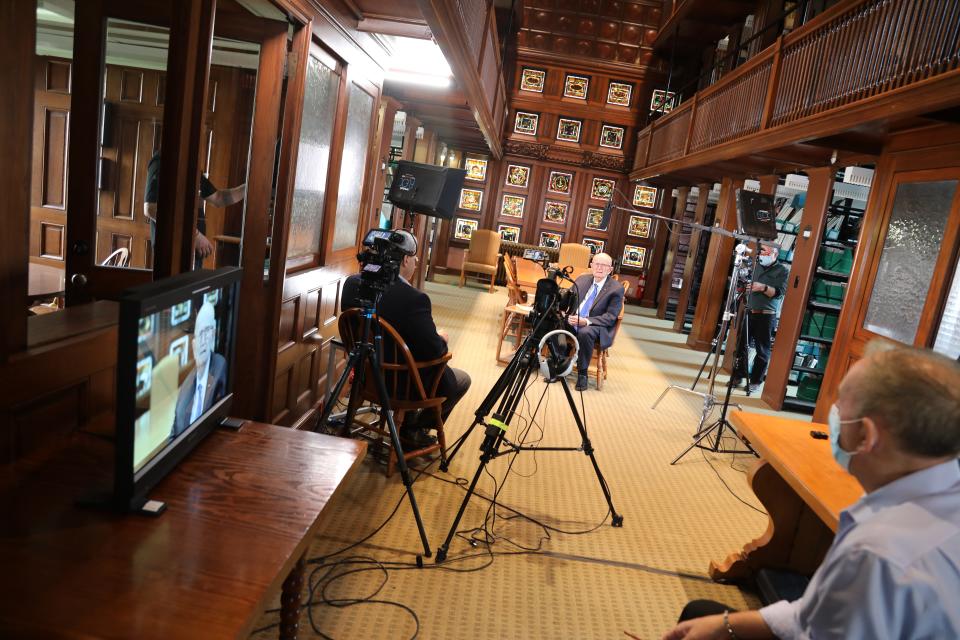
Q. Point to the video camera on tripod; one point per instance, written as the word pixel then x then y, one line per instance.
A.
pixel 550 302
pixel 380 262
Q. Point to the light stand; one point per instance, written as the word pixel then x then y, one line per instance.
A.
pixel 364 352
pixel 508 391
pixel 729 313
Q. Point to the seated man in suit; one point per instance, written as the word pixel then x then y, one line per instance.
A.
pixel 409 311
pixel 893 570
pixel 207 382
pixel 601 298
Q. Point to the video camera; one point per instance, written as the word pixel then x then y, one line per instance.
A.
pixel 551 303
pixel 380 262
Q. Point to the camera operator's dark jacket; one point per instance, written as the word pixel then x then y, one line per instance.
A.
pixel 409 311
pixel 774 276
pixel 605 308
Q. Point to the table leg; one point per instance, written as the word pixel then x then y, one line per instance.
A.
pixel 796 539
pixel 291 597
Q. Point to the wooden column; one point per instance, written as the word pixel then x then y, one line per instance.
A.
pixel 768 185
pixel 18 30
pixel 716 268
pixel 183 127
pixel 703 195
pixel 388 112
pixel 802 270
pixel 655 268
pixel 680 203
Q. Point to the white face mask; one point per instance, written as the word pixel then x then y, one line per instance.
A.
pixel 767 260
pixel 839 454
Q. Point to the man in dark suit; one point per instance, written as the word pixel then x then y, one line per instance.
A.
pixel 409 311
pixel 207 382
pixel 601 299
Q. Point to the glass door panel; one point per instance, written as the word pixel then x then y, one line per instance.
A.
pixel 313 155
pixel 355 143
pixel 909 258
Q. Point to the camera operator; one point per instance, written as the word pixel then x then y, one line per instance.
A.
pixel 601 298
pixel 763 304
pixel 409 311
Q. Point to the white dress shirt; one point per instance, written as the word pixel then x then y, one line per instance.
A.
pixel 893 570
pixel 583 312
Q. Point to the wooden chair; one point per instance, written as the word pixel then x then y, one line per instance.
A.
pixel 483 255
pixel 574 255
pixel 598 363
pixel 513 324
pixel 119 258
pixel 412 385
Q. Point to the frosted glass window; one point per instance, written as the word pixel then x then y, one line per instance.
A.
pixel 352 168
pixel 948 335
pixel 917 223
pixel 310 185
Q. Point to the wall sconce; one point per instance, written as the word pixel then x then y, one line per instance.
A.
pixel 419 133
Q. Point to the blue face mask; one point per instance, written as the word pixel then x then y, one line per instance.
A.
pixel 839 454
pixel 766 260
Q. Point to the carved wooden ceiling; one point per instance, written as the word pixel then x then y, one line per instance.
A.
pixel 610 31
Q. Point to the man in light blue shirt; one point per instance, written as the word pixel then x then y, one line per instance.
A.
pixel 893 570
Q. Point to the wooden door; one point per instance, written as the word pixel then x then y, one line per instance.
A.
pixel 905 264
pixel 48 192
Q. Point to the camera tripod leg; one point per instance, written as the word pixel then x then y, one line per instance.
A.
pixel 491 442
pixel 354 358
pixel 616 518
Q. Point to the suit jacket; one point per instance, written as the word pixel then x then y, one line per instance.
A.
pixel 215 389
pixel 409 311
pixel 605 308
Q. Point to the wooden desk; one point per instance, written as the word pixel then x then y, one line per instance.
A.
pixel 242 510
pixel 803 491
pixel 528 273
pixel 44 281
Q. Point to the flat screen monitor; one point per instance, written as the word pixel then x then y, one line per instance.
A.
pixel 174 374
pixel 756 215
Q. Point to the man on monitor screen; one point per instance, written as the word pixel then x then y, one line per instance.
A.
pixel 207 382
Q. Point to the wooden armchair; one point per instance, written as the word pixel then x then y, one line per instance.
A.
pixel 483 255
pixel 598 363
pixel 513 324
pixel 411 385
pixel 573 254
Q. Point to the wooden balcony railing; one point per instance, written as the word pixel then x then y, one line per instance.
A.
pixel 855 51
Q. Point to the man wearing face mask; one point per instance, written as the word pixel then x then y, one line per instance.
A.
pixel 763 305
pixel 893 570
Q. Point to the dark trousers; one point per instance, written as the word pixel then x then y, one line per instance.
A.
pixel 453 386
pixel 587 339
pixel 760 329
pixel 701 608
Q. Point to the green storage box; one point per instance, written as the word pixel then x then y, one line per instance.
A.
pixel 818 324
pixel 827 292
pixel 809 387
pixel 836 259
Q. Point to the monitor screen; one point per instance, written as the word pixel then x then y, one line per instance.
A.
pixel 756 215
pixel 176 344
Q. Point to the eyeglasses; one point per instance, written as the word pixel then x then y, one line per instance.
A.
pixel 600 264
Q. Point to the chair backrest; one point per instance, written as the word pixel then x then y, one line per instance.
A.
pixel 405 378
pixel 574 255
pixel 623 307
pixel 118 258
pixel 484 246
pixel 513 289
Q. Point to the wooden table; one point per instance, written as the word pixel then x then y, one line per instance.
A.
pixel 529 272
pixel 242 510
pixel 44 281
pixel 802 489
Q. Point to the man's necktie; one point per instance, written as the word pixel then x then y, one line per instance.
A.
pixel 588 301
pixel 197 403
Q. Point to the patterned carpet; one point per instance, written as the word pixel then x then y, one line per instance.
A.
pixel 559 573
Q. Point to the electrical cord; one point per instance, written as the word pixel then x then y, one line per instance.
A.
pixel 724 483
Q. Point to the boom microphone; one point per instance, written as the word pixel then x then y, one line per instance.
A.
pixel 607 210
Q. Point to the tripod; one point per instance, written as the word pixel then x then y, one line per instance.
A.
pixel 508 391
pixel 365 351
pixel 716 428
